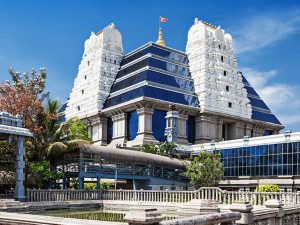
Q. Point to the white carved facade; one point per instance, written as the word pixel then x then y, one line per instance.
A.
pixel 97 71
pixel 213 67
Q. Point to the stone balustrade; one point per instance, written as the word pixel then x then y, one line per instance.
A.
pixel 213 194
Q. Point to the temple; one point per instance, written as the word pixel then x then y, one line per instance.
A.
pixel 124 98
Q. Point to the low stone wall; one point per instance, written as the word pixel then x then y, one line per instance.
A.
pixel 7 218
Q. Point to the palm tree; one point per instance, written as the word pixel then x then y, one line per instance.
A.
pixel 68 137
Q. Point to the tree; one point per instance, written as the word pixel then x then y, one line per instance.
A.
pixel 24 97
pixel 69 137
pixel 165 149
pixel 267 188
pixel 205 169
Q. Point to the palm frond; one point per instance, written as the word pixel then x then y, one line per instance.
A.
pixel 56 149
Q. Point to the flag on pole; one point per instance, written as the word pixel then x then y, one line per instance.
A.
pixel 162 19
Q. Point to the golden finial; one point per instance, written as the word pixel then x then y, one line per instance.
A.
pixel 160 41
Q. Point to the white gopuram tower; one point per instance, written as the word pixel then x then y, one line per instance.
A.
pixel 97 71
pixel 213 67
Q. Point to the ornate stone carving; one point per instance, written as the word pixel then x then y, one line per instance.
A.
pixel 213 67
pixel 97 71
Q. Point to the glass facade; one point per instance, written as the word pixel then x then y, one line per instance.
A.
pixel 109 130
pixel 262 161
pixel 132 125
pixel 159 125
pixel 191 129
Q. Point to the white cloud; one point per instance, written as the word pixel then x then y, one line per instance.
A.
pixel 263 30
pixel 282 99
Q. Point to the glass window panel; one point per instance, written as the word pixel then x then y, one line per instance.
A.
pixel 279 148
pixel 295 158
pixel 270 170
pixel 290 158
pixel 284 148
pixel 279 158
pixel 295 147
pixel 290 169
pixel 275 150
pixel 285 169
pixel 290 148
pixel 275 171
pixel 257 172
pixel 284 157
pixel 295 172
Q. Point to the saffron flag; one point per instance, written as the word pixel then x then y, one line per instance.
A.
pixel 162 19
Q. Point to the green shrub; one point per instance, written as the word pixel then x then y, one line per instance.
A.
pixel 267 188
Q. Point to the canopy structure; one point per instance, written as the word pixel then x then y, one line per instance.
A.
pixel 131 156
pixel 11 129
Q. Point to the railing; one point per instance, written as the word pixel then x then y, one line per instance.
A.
pixel 259 198
pixel 213 194
pixel 227 218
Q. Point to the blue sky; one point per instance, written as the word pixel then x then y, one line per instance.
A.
pixel 51 34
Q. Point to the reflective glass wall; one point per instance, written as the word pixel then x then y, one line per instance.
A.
pixel 132 125
pixel 265 160
pixel 159 124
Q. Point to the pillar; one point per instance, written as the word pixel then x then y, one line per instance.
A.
pixel 172 124
pixel 182 135
pixel 240 130
pixel 248 128
pixel 144 134
pixel 246 212
pixel 206 129
pixel 20 165
pixel 119 129
pixel 99 130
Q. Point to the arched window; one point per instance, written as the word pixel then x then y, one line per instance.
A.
pixel 132 125
pixel 159 125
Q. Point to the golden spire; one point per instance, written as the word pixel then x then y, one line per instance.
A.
pixel 160 40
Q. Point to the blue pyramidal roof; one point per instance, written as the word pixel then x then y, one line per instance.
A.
pixel 154 72
pixel 260 111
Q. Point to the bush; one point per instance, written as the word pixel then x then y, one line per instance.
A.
pixel 267 188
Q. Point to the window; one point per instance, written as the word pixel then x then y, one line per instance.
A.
pixel 222 58
pixel 227 88
pixel 82 91
pixel 78 108
pixel 230 104
pixel 105 59
pixel 219 46
pixel 85 77
pixel 88 62
pixel 115 61
pixel 225 73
